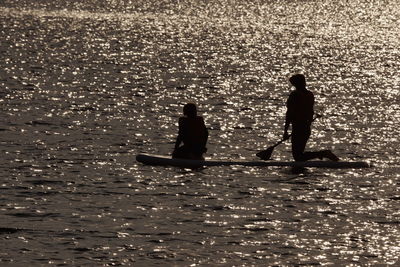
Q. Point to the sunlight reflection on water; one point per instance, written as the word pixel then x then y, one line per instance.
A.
pixel 85 85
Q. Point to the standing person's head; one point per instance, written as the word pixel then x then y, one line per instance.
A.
pixel 298 81
pixel 190 110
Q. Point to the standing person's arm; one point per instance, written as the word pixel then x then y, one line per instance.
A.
pixel 287 123
pixel 312 106
pixel 288 117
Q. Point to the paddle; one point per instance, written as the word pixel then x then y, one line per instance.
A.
pixel 266 154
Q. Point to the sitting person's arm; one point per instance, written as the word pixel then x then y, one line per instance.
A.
pixel 205 134
pixel 179 138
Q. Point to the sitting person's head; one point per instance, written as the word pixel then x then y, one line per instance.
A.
pixel 298 81
pixel 190 110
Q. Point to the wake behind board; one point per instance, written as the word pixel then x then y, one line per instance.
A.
pixel 149 159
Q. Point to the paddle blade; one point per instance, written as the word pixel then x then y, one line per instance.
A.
pixel 265 154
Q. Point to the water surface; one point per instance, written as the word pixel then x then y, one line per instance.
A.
pixel 86 85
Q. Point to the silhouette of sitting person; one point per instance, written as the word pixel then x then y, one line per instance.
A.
pixel 192 133
pixel 300 112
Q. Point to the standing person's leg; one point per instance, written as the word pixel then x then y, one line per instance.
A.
pixel 189 152
pixel 180 153
pixel 300 135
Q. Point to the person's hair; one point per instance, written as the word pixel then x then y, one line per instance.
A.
pixel 190 110
pixel 298 81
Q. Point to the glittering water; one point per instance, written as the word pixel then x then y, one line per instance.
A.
pixel 86 85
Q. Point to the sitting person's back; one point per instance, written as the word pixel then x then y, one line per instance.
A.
pixel 193 133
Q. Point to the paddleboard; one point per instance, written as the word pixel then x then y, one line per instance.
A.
pixel 149 159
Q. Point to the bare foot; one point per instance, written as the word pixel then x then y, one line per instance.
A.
pixel 329 154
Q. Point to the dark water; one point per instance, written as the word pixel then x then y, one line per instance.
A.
pixel 86 85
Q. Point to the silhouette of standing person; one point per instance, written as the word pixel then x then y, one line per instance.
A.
pixel 300 112
pixel 192 133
